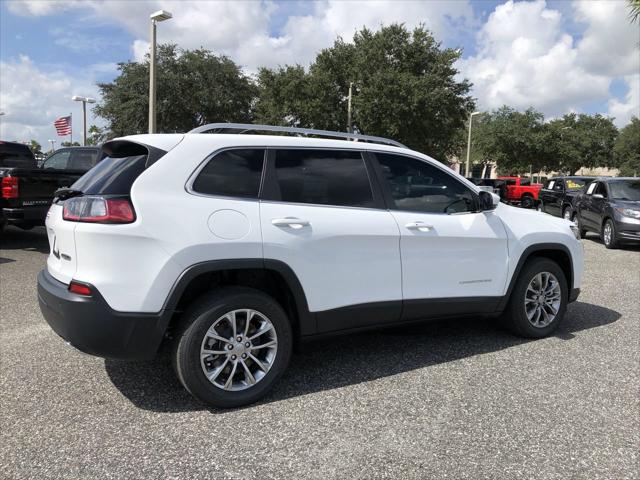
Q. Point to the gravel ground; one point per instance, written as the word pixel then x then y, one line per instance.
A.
pixel 459 400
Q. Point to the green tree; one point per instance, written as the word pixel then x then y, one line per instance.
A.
pixel 404 88
pixel 193 88
pixel 582 141
pixel 97 135
pixel 634 10
pixel 35 147
pixel 516 141
pixel 626 150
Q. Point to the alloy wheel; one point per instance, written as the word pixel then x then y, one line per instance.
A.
pixel 608 233
pixel 542 299
pixel 238 349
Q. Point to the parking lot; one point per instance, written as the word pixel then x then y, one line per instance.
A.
pixel 458 399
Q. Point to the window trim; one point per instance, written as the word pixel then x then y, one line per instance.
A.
pixel 388 197
pixel 271 190
pixel 192 178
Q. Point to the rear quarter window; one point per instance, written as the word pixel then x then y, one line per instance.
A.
pixel 232 173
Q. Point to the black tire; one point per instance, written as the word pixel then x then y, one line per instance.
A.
pixel 582 230
pixel 527 201
pixel 514 318
pixel 195 323
pixel 613 242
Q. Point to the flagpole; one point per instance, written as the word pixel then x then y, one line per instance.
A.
pixel 71 129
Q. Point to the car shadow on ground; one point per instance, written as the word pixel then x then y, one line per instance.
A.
pixel 595 238
pixel 347 360
pixel 34 240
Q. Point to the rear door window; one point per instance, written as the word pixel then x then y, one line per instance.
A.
pixel 323 177
pixel 232 173
pixel 82 159
pixel 57 161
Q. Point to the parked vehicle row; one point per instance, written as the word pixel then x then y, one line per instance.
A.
pixel 28 190
pixel 558 194
pixel 232 247
pixel 610 207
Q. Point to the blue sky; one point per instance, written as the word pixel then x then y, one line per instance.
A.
pixel 557 56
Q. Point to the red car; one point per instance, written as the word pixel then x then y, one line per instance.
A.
pixel 521 190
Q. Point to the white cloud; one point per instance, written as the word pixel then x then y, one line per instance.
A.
pixel 609 45
pixel 241 30
pixel 525 58
pixel 33 98
pixel 623 110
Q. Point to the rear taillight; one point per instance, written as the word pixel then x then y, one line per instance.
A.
pixel 10 187
pixel 80 288
pixel 98 210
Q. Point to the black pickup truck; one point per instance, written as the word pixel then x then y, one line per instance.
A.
pixel 27 190
pixel 557 194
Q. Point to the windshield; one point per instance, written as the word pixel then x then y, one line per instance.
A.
pixel 625 190
pixel 575 183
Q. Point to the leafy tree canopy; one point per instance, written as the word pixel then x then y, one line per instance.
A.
pixel 581 141
pixel 626 150
pixel 514 140
pixel 194 87
pixel 404 87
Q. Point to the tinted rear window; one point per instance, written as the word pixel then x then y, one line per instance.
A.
pixel 232 173
pixel 323 177
pixel 112 176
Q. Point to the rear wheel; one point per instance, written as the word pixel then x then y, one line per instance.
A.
pixel 527 201
pixel 538 301
pixel 609 234
pixel 233 347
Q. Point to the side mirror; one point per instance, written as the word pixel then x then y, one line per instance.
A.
pixel 488 201
pixel 597 195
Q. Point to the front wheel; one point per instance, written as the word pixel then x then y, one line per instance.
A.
pixel 538 301
pixel 609 234
pixel 234 345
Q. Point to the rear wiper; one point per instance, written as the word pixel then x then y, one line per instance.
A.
pixel 65 193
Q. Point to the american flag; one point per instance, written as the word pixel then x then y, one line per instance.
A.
pixel 63 126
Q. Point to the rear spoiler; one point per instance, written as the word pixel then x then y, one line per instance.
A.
pixel 127 148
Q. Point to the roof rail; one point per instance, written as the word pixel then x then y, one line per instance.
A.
pixel 247 127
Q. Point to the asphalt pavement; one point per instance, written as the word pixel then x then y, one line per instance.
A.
pixel 458 399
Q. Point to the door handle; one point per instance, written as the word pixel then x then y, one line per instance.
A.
pixel 421 226
pixel 290 222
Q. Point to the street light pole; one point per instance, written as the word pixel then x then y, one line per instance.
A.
pixel 84 100
pixel 349 128
pixel 53 145
pixel 159 16
pixel 469 143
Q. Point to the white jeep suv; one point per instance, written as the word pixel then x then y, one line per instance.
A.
pixel 232 247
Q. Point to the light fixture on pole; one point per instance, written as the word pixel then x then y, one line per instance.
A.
pixel 53 145
pixel 159 16
pixel 469 143
pixel 84 100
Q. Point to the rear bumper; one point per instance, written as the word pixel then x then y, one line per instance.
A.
pixel 90 325
pixel 34 215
